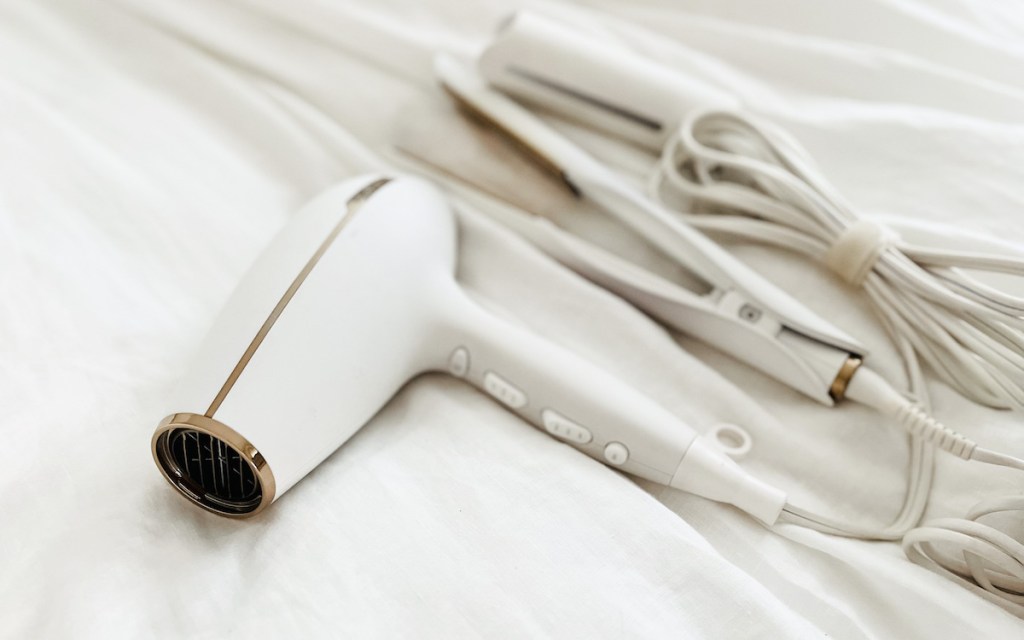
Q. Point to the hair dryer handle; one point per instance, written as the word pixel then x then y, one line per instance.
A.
pixel 589 409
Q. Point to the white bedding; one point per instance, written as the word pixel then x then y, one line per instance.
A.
pixel 148 151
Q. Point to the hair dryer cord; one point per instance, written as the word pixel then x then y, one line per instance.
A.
pixel 978 555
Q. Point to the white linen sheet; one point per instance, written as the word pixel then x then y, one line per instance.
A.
pixel 148 151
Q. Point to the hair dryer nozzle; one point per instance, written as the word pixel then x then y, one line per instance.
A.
pixel 212 465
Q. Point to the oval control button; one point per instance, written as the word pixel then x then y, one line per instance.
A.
pixel 503 390
pixel 458 362
pixel 616 453
pixel 561 427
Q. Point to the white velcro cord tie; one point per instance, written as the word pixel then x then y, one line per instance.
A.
pixel 853 255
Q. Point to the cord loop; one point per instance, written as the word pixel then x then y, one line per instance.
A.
pixel 854 253
pixel 979 556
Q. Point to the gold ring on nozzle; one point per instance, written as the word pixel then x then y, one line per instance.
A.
pixel 229 436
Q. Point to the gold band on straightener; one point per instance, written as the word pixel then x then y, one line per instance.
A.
pixel 842 381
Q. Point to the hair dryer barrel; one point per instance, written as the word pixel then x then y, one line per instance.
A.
pixel 324 328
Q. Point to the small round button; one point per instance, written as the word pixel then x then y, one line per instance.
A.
pixel 616 453
pixel 458 363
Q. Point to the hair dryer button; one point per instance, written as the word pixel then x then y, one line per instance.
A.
pixel 561 427
pixel 458 363
pixel 504 391
pixel 616 453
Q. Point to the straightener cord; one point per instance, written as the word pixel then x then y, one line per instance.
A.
pixel 758 184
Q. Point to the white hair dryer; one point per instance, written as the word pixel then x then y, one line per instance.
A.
pixel 355 297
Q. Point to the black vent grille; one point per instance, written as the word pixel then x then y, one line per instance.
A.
pixel 211 471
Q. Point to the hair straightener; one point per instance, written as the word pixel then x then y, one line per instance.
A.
pixel 755 182
pixel 730 307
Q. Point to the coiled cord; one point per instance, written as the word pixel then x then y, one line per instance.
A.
pixel 962 548
pixel 753 181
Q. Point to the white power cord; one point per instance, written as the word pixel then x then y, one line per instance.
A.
pixel 977 555
pixel 762 186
